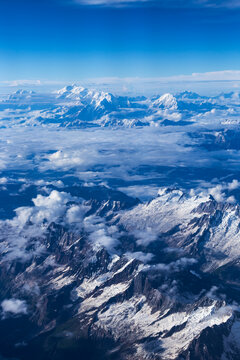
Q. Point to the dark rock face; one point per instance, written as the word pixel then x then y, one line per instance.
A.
pixel 84 301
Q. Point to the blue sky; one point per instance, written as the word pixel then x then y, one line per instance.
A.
pixel 72 40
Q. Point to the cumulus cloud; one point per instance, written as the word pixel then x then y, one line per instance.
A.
pixel 75 214
pixel 101 235
pixel 3 180
pixel 56 183
pixel 31 223
pixel 220 191
pixel 14 306
pixel 145 237
pixel 65 159
pixel 235 184
pixel 48 208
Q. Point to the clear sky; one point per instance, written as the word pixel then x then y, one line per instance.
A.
pixel 76 39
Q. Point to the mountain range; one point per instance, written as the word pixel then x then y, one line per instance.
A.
pixel 119 226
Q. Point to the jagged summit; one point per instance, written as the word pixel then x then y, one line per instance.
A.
pixel 21 95
pixel 167 101
pixel 189 95
pixel 75 106
pixel 79 93
pixel 132 277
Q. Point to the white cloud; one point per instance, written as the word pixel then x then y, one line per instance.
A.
pixel 56 183
pixel 224 75
pixel 141 256
pixel 101 238
pixel 132 84
pixel 101 235
pixel 144 238
pixel 75 214
pixel 69 159
pixel 109 2
pixel 14 306
pixel 28 82
pixel 235 184
pixel 230 4
pixel 144 192
pixel 219 192
pixel 31 223
pixel 176 266
pixel 46 208
pixel 3 180
pixel 225 79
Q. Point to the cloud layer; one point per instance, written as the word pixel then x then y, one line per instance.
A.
pixel 231 4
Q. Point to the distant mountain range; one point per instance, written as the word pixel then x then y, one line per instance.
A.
pixel 74 106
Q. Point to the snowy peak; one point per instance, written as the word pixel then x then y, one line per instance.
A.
pixel 166 101
pixel 189 95
pixel 72 92
pixel 209 220
pixel 233 95
pixel 79 93
pixel 102 99
pixel 21 95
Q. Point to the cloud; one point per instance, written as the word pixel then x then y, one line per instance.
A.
pixel 139 255
pixel 174 266
pixel 69 159
pixel 101 235
pixel 28 82
pixel 143 192
pixel 31 222
pixel 211 294
pixel 56 183
pixel 220 191
pixel 235 184
pixel 135 85
pixel 14 306
pixel 3 180
pixel 75 214
pixel 144 238
pixel 110 2
pixel 230 4
pixel 159 85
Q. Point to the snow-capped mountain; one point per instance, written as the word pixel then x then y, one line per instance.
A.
pixel 21 95
pixel 75 106
pixel 135 280
pixel 233 95
pixel 206 221
pixel 189 95
pixel 98 99
pixel 166 101
pixel 71 92
pixel 123 242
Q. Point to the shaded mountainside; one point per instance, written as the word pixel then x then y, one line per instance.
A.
pixel 134 281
